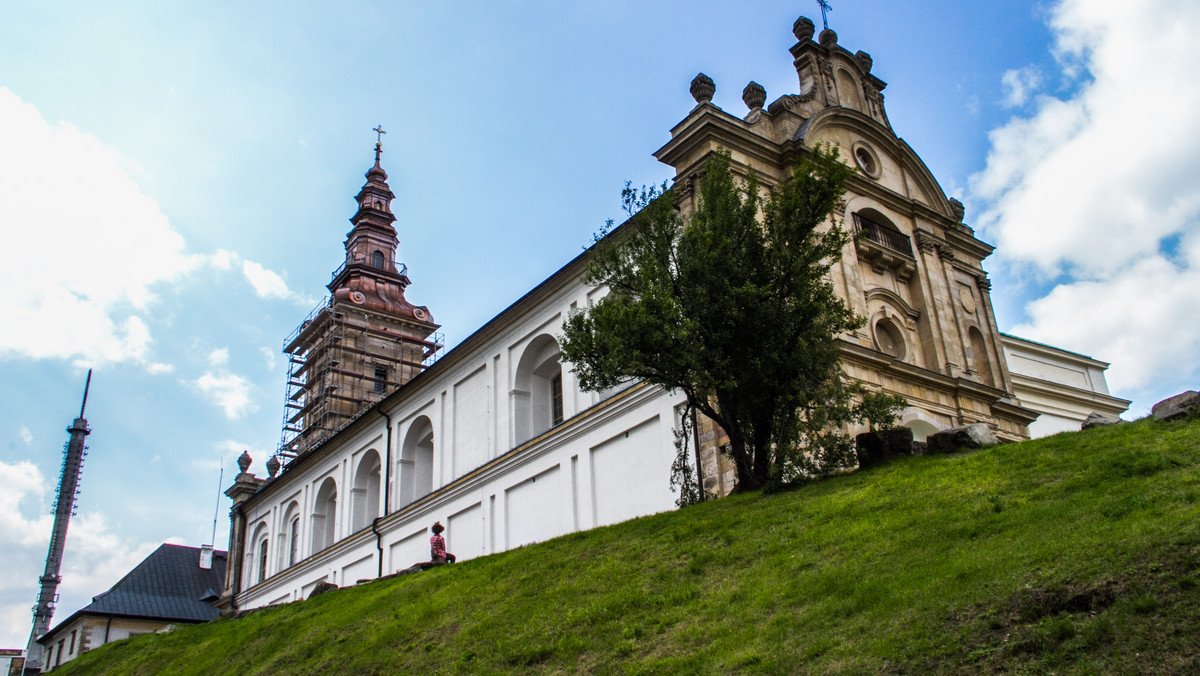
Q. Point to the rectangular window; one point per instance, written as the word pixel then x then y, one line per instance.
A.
pixel 556 398
pixel 262 561
pixel 71 650
pixel 58 654
pixel 381 374
pixel 295 544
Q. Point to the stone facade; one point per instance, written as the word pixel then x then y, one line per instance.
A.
pixel 915 271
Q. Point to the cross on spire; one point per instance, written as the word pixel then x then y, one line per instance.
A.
pixel 825 9
pixel 379 132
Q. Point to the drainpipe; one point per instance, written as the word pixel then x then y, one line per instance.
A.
pixel 387 468
pixel 387 489
pixel 378 544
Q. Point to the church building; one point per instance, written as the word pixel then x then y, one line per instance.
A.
pixel 383 437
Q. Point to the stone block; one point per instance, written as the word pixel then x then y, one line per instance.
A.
pixel 322 588
pixel 1098 419
pixel 873 448
pixel 1182 405
pixel 957 439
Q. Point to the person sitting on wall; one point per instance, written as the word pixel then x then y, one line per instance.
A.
pixel 437 545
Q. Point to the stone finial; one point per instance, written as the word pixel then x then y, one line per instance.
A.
pixel 827 38
pixel 957 209
pixel 273 466
pixel 244 461
pixel 803 29
pixel 864 61
pixel 703 88
pixel 754 95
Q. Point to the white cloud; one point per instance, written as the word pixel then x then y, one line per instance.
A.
pixel 26 435
pixel 223 259
pixel 268 357
pixel 1019 84
pixel 94 558
pixel 231 392
pixel 159 369
pixel 271 285
pixel 82 253
pixel 218 357
pixel 1097 191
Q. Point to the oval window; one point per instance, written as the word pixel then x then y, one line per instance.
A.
pixel 866 161
pixel 889 339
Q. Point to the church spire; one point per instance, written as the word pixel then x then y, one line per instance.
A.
pixel 371 276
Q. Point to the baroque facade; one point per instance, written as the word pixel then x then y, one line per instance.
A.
pixel 496 440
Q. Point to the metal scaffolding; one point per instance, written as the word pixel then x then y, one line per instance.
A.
pixel 342 358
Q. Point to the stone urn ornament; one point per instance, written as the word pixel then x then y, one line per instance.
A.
pixel 703 88
pixel 803 29
pixel 754 96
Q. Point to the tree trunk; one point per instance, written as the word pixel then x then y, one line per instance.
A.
pixel 762 455
pixel 741 461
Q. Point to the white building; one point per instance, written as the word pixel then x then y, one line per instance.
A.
pixel 1064 387
pixel 495 439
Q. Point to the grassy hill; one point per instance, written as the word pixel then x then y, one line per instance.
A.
pixel 1079 553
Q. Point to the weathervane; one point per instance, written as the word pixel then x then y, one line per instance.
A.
pixel 825 9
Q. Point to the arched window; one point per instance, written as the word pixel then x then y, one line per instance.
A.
pixel 983 365
pixel 377 260
pixel 262 560
pixel 324 517
pixel 288 543
pixel 256 570
pixel 538 390
pixel 366 491
pixel 416 461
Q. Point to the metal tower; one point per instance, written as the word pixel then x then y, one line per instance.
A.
pixel 64 508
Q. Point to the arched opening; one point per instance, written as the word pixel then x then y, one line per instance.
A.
pixel 324 516
pixel 289 538
pixel 366 491
pixel 257 570
pixel 416 461
pixel 377 260
pixel 983 365
pixel 879 229
pixel 538 389
pixel 921 429
pixel 848 90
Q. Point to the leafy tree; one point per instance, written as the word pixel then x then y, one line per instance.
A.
pixel 735 311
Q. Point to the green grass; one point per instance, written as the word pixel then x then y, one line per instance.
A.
pixel 1079 553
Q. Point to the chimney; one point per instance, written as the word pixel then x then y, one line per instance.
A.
pixel 206 553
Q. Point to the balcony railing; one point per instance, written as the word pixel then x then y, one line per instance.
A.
pixel 884 235
pixel 359 260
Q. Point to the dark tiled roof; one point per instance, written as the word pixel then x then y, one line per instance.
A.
pixel 168 585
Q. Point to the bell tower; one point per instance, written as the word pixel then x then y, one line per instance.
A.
pixel 365 339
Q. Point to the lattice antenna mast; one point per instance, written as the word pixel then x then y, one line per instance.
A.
pixel 825 9
pixel 64 508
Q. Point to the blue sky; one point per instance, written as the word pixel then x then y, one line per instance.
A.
pixel 176 179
